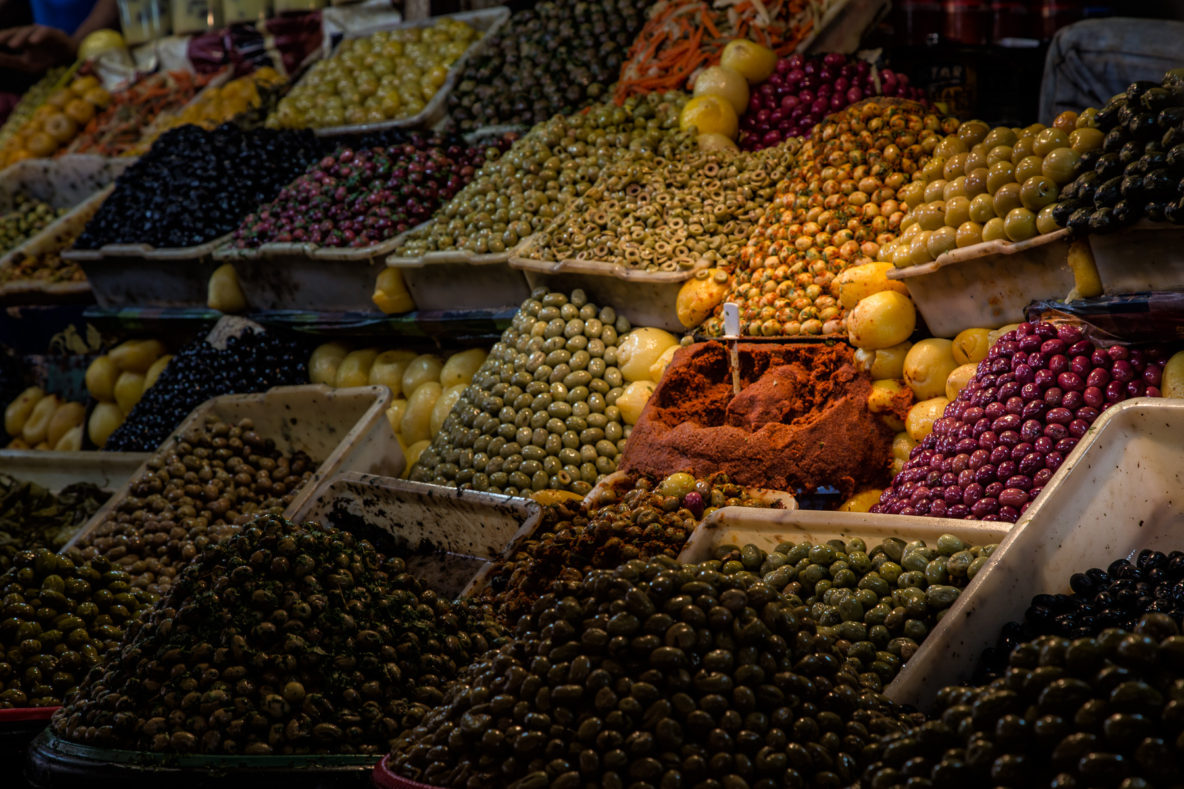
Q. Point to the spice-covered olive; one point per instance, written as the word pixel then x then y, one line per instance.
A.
pixel 615 680
pixel 57 618
pixel 194 493
pixel 1098 710
pixel 634 518
pixel 524 410
pixel 282 639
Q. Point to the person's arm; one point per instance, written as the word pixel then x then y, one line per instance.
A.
pixel 37 48
pixel 105 14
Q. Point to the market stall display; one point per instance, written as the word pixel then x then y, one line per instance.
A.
pixel 33 98
pixel 115 127
pixel 805 400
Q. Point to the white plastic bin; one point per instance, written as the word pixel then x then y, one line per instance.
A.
pixel 766 529
pixel 988 284
pixel 340 429
pixel 1121 490
pixel 1144 257
pixel 450 534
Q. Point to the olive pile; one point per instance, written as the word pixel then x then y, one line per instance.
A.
pixel 837 210
pixel 33 517
pixel 540 411
pixel 194 185
pixel 987 184
pixel 196 492
pixel 1114 597
pixel 522 191
pixel 26 217
pixel 388 75
pixel 57 619
pixel 1139 169
pixel 1010 428
pixel 574 537
pixel 659 214
pixel 654 674
pixel 359 196
pixel 283 639
pixel 555 57
pixel 254 361
pixel 877 605
pixel 1084 712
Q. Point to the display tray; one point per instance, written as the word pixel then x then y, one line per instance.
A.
pixel 1147 256
pixel 123 275
pixel 340 429
pixel 54 762
pixel 766 529
pixel 53 238
pixel 988 284
pixel 55 470
pixel 486 20
pixel 459 279
pixel 646 298
pixel 63 182
pixel 1120 490
pixel 446 535
pixel 285 276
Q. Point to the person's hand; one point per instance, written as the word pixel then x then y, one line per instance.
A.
pixel 34 48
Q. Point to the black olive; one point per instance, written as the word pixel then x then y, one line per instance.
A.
pixel 1143 126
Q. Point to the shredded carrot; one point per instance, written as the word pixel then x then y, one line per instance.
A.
pixel 683 36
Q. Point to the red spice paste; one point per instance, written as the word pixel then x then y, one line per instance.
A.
pixel 800 421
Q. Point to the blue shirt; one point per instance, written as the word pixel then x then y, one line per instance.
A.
pixel 65 15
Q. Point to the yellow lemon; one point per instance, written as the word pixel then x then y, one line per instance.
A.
pixel 710 115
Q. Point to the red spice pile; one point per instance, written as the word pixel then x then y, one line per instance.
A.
pixel 799 423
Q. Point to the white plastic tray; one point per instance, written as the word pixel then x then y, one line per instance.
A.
pixel 646 298
pixel 464 529
pixel 56 470
pixel 63 182
pixel 139 275
pixel 1120 490
pixel 766 529
pixel 340 429
pixel 55 237
pixel 486 20
pixel 988 284
pixel 286 276
pixel 458 278
pixel 1146 256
